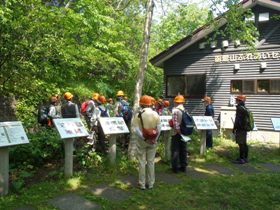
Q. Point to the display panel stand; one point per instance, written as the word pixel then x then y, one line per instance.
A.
pixel 113 126
pixel 204 123
pixel 11 134
pixel 69 129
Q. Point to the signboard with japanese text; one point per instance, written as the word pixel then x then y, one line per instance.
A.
pixel 12 133
pixel 276 123
pixel 70 127
pixel 164 122
pixel 113 125
pixel 204 123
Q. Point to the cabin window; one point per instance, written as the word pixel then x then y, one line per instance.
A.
pixel 191 86
pixel 275 86
pixel 236 86
pixel 175 85
pixel 263 86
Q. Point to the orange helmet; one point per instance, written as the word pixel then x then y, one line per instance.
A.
pixel 241 98
pixel 95 96
pixel 68 96
pixel 146 100
pixel 166 103
pixel 179 99
pixel 207 99
pixel 120 93
pixel 102 99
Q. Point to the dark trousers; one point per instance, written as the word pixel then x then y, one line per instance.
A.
pixel 178 153
pixel 209 139
pixel 243 151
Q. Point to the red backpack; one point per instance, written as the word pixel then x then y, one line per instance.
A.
pixel 84 107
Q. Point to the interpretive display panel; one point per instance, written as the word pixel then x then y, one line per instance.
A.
pixel 12 133
pixel 70 128
pixel 113 125
pixel 204 123
pixel 164 121
pixel 276 123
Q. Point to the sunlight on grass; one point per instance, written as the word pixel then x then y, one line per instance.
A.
pixel 205 171
pixel 74 183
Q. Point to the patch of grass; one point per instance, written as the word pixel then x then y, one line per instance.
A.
pixel 255 191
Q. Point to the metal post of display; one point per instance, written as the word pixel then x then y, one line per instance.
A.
pixel 68 149
pixel 112 149
pixel 203 142
pixel 4 170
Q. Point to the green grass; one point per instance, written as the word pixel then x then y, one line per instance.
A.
pixel 239 191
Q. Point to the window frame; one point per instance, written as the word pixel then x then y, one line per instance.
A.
pixel 256 84
pixel 185 91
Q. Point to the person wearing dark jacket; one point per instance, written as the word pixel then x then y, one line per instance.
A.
pixel 239 130
pixel 69 109
pixel 209 111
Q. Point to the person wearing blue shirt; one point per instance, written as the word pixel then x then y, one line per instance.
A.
pixel 209 111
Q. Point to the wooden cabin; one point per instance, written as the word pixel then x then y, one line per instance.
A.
pixel 223 68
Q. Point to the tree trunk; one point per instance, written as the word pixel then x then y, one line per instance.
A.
pixel 7 108
pixel 141 71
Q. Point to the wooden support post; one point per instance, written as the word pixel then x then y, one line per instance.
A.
pixel 68 149
pixel 112 149
pixel 203 142
pixel 4 170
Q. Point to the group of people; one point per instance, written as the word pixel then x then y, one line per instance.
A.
pixel 147 127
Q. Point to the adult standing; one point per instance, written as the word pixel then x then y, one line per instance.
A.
pixel 178 147
pixel 53 110
pixel 123 110
pixel 146 150
pixel 240 131
pixel 209 111
pixel 100 111
pixel 69 109
pixel 90 109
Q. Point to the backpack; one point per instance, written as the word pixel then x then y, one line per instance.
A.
pixel 42 116
pixel 126 112
pixel 249 120
pixel 84 107
pixel 187 124
pixel 103 112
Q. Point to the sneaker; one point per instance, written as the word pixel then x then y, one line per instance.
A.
pixel 246 160
pixel 150 186
pixel 141 187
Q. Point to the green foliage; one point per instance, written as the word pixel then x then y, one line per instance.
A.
pixel 176 25
pixel 45 146
pixel 87 157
